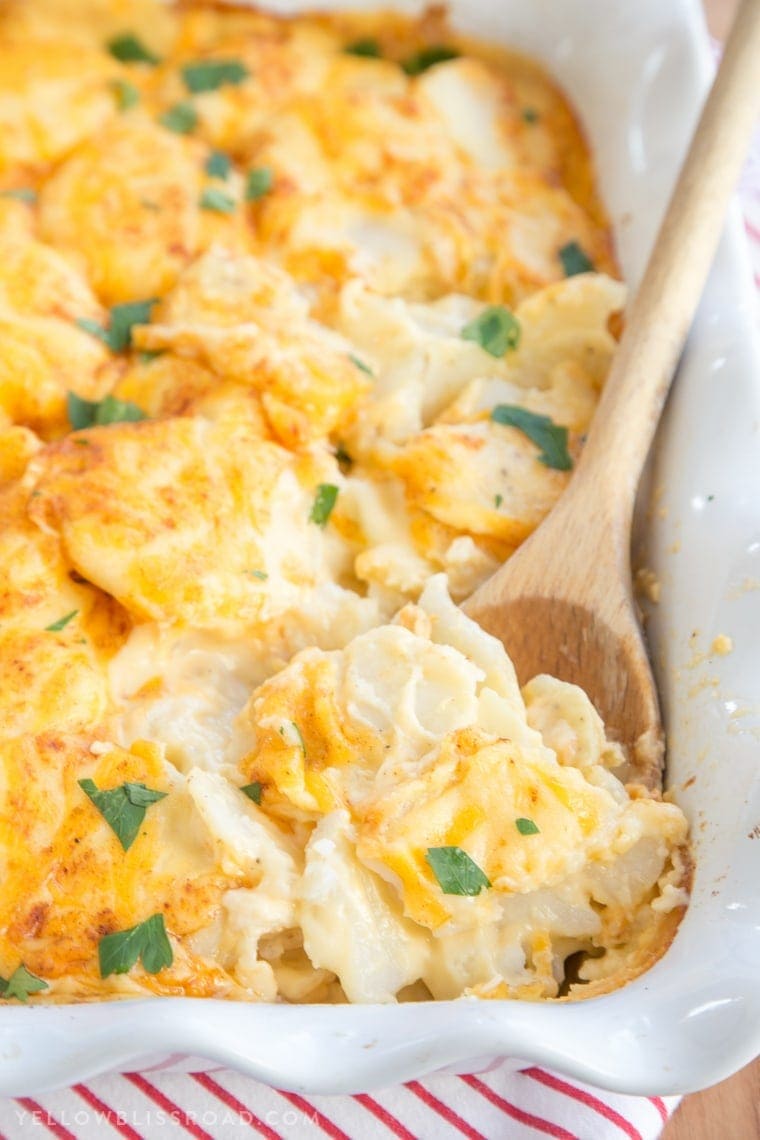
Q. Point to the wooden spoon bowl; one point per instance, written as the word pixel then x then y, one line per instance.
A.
pixel 562 605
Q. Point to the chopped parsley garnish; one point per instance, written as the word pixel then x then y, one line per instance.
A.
pixel 541 430
pixel 218 164
pixel 99 413
pixel 126 94
pixel 359 363
pixel 181 118
pixel 110 410
pixel 123 318
pixel 260 574
pixel 88 325
pixel 575 260
pixel 342 456
pixel 258 183
pixel 21 194
pixel 21 984
pixel 367 47
pixel 323 504
pixel 147 941
pixel 291 734
pixel 526 826
pixel 210 74
pixel 216 200
pixel 253 791
pixel 496 330
pixel 530 115
pixel 122 808
pixel 57 626
pixel 498 500
pixel 148 355
pixel 428 57
pixel 128 49
pixel 455 871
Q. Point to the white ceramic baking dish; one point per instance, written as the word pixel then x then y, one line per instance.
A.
pixel 637 73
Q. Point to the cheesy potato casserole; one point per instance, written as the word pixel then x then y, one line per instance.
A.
pixel 302 323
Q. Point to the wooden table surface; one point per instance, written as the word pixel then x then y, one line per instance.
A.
pixel 731 1110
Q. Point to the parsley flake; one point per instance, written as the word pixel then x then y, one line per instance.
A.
pixel 258 183
pixel 99 413
pixel 57 626
pixel 530 115
pixel 148 941
pixel 110 410
pixel 496 330
pixel 21 194
pixel 122 808
pixel 127 48
pixel 218 165
pixel 123 318
pixel 498 500
pixel 359 363
pixel 324 501
pixel 575 260
pixel 88 325
pixel 456 872
pixel 367 48
pixel 182 118
pixel 526 826
pixel 291 734
pixel 125 93
pixel 21 984
pixel 428 57
pixel 342 456
pixel 148 355
pixel 210 74
pixel 541 430
pixel 253 791
pixel 216 200
pixel 260 574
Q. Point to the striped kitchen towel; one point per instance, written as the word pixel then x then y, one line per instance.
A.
pixel 221 1105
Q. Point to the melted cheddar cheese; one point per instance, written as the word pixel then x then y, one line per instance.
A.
pixel 289 309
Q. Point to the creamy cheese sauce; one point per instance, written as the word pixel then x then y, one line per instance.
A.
pixel 303 324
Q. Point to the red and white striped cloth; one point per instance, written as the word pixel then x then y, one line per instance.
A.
pixel 497 1105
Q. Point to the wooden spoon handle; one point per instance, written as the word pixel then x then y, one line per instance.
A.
pixel 662 311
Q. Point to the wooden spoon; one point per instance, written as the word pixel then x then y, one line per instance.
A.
pixel 563 603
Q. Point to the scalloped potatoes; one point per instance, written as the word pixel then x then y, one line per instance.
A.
pixel 303 324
